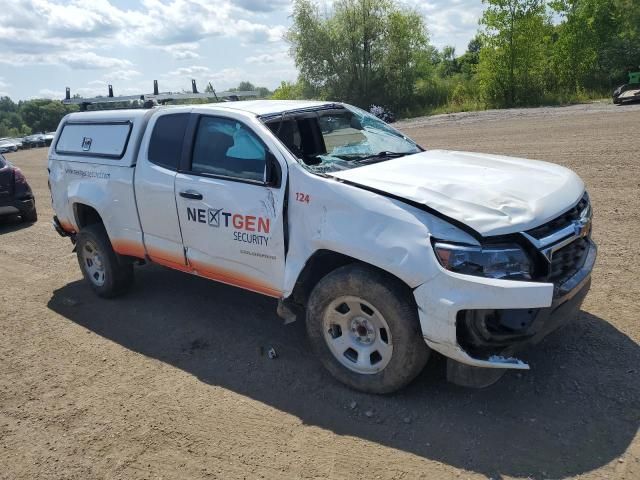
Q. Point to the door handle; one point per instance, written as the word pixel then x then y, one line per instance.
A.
pixel 190 194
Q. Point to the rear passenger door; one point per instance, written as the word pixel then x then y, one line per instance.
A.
pixel 230 195
pixel 158 161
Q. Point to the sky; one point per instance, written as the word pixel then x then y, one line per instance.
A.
pixel 47 45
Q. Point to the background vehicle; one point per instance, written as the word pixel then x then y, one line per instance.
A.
pixel 629 92
pixel 16 197
pixel 7 146
pixel 18 142
pixel 389 250
pixel 34 141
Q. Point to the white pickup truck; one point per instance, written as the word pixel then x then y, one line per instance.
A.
pixel 391 250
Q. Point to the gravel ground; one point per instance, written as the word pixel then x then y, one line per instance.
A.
pixel 172 381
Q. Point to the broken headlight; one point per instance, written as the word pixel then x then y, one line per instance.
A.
pixel 508 262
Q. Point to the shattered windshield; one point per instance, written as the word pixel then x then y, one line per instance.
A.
pixel 340 138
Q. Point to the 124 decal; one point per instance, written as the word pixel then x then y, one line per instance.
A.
pixel 302 197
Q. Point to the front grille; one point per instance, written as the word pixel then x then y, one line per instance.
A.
pixel 560 222
pixel 568 260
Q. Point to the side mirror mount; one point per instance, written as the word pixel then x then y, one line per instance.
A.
pixel 273 171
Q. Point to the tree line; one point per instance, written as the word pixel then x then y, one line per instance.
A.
pixel 31 116
pixel 525 53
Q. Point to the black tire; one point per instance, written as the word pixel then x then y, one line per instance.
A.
pixel 30 216
pixel 394 301
pixel 118 271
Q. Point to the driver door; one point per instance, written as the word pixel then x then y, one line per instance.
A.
pixel 230 206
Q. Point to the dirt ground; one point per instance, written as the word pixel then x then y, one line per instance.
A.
pixel 171 382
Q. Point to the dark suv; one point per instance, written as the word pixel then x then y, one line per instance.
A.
pixel 16 197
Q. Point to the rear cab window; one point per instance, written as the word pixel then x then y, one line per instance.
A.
pixel 167 138
pixel 95 139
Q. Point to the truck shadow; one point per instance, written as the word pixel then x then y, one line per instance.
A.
pixel 576 410
pixel 13 224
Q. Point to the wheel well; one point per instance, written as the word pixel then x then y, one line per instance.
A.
pixel 86 215
pixel 320 264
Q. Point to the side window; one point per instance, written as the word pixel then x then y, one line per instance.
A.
pixel 165 147
pixel 228 148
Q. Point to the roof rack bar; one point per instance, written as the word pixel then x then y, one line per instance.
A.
pixel 160 97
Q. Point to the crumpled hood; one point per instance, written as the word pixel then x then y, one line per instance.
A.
pixel 492 194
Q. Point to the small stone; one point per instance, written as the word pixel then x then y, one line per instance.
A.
pixel 621 460
pixel 353 405
pixel 406 419
pixel 369 413
pixel 69 302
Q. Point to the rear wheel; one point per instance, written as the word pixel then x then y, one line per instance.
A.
pixel 108 274
pixel 363 325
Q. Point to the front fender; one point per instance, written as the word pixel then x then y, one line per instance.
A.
pixel 367 226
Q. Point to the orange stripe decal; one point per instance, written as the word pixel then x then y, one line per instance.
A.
pixel 176 262
pixel 129 248
pixel 234 279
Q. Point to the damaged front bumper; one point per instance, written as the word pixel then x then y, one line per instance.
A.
pixel 482 322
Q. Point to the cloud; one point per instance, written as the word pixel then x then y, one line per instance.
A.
pixel 189 71
pixel 91 61
pixel 45 31
pixel 450 22
pixel 263 6
pixel 191 21
pixel 270 58
pixel 183 51
pixel 184 54
pixel 124 75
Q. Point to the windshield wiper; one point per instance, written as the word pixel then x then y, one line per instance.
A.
pixel 380 156
pixel 370 158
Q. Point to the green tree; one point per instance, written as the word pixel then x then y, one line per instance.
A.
pixel 362 52
pixel 43 115
pixel 246 86
pixel 448 65
pixel 468 63
pixel 513 61
pixel 598 41
pixel 288 91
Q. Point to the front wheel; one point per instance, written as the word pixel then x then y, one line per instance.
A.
pixel 363 325
pixel 108 274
